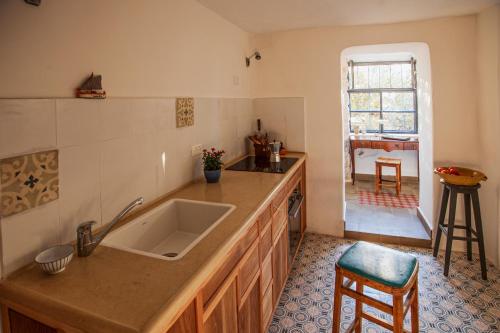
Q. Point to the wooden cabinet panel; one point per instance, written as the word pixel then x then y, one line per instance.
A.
pixel 410 146
pixel 294 180
pixel 249 313
pixel 266 242
pixel 248 269
pixel 280 264
pixel 19 323
pixel 278 199
pixel 267 307
pixel 266 274
pixel 186 322
pixel 361 144
pixel 224 316
pixel 264 218
pixel 279 218
pixel 232 260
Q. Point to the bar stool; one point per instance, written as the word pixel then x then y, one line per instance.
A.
pixel 387 162
pixel 383 269
pixel 470 193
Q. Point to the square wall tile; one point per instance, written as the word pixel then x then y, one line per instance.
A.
pixel 184 110
pixel 24 235
pixel 26 125
pixel 80 187
pixel 78 121
pixel 28 181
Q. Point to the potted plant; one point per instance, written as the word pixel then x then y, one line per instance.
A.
pixel 212 164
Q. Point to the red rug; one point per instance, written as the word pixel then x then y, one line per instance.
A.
pixel 387 199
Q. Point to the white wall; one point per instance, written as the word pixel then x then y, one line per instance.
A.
pixel 284 119
pixel 488 64
pixel 158 48
pixel 306 63
pixel 110 152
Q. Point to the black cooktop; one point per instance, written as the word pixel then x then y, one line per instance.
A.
pixel 250 163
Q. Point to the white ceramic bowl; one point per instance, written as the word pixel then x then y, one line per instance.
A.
pixel 54 259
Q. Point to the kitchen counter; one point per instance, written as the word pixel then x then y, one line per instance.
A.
pixel 115 291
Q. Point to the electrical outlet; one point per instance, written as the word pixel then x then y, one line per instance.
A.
pixel 196 150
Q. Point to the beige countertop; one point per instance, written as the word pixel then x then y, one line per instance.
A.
pixel 117 291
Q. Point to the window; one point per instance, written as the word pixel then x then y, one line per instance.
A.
pixel 383 96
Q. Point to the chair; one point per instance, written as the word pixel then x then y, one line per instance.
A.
pixel 379 181
pixel 385 270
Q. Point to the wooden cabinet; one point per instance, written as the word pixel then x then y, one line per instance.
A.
pixel 280 263
pixel 19 323
pixel 249 311
pixel 222 316
pixel 186 322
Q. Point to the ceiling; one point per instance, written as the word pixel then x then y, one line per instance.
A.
pixel 276 15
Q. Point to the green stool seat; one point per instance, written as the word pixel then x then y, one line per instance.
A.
pixel 380 264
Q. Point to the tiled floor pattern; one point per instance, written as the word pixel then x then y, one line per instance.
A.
pixel 460 303
pixel 390 221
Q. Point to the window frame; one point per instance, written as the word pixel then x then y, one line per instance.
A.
pixel 380 91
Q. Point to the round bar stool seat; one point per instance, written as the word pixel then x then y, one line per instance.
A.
pixel 391 163
pixel 385 270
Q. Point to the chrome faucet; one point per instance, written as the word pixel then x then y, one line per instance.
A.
pixel 86 242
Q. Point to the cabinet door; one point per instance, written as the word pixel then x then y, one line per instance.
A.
pixel 249 313
pixel 186 322
pixel 223 318
pixel 19 323
pixel 280 263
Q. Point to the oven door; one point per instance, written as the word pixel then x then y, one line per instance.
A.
pixel 294 225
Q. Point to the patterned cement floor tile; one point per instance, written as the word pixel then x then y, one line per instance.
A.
pixel 462 302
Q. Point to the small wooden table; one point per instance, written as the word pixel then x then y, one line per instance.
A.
pixel 377 142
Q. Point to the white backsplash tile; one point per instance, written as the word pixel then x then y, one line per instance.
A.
pixel 25 234
pixel 80 189
pixel 26 126
pixel 116 118
pixel 78 121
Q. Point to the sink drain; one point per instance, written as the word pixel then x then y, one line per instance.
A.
pixel 170 254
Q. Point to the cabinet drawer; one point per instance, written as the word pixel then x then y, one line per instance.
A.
pixel 248 269
pixel 361 144
pixel 267 272
pixel 295 178
pixel 279 219
pixel 267 307
pixel 266 242
pixel 387 146
pixel 232 260
pixel 410 145
pixel 278 199
pixel 264 218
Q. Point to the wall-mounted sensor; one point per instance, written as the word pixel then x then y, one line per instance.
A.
pixel 257 56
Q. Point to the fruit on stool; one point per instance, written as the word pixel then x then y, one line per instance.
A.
pixel 449 171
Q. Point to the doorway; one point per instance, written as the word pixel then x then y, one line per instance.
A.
pixel 387 114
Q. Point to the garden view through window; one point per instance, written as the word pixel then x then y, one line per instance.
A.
pixel 383 97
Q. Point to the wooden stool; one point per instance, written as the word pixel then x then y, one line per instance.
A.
pixel 387 162
pixel 470 194
pixel 383 269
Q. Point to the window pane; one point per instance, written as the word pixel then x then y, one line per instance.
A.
pixel 385 76
pixel 396 78
pixel 406 74
pixel 365 101
pixel 373 72
pixel 399 122
pixel 360 77
pixel 368 121
pixel 398 101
